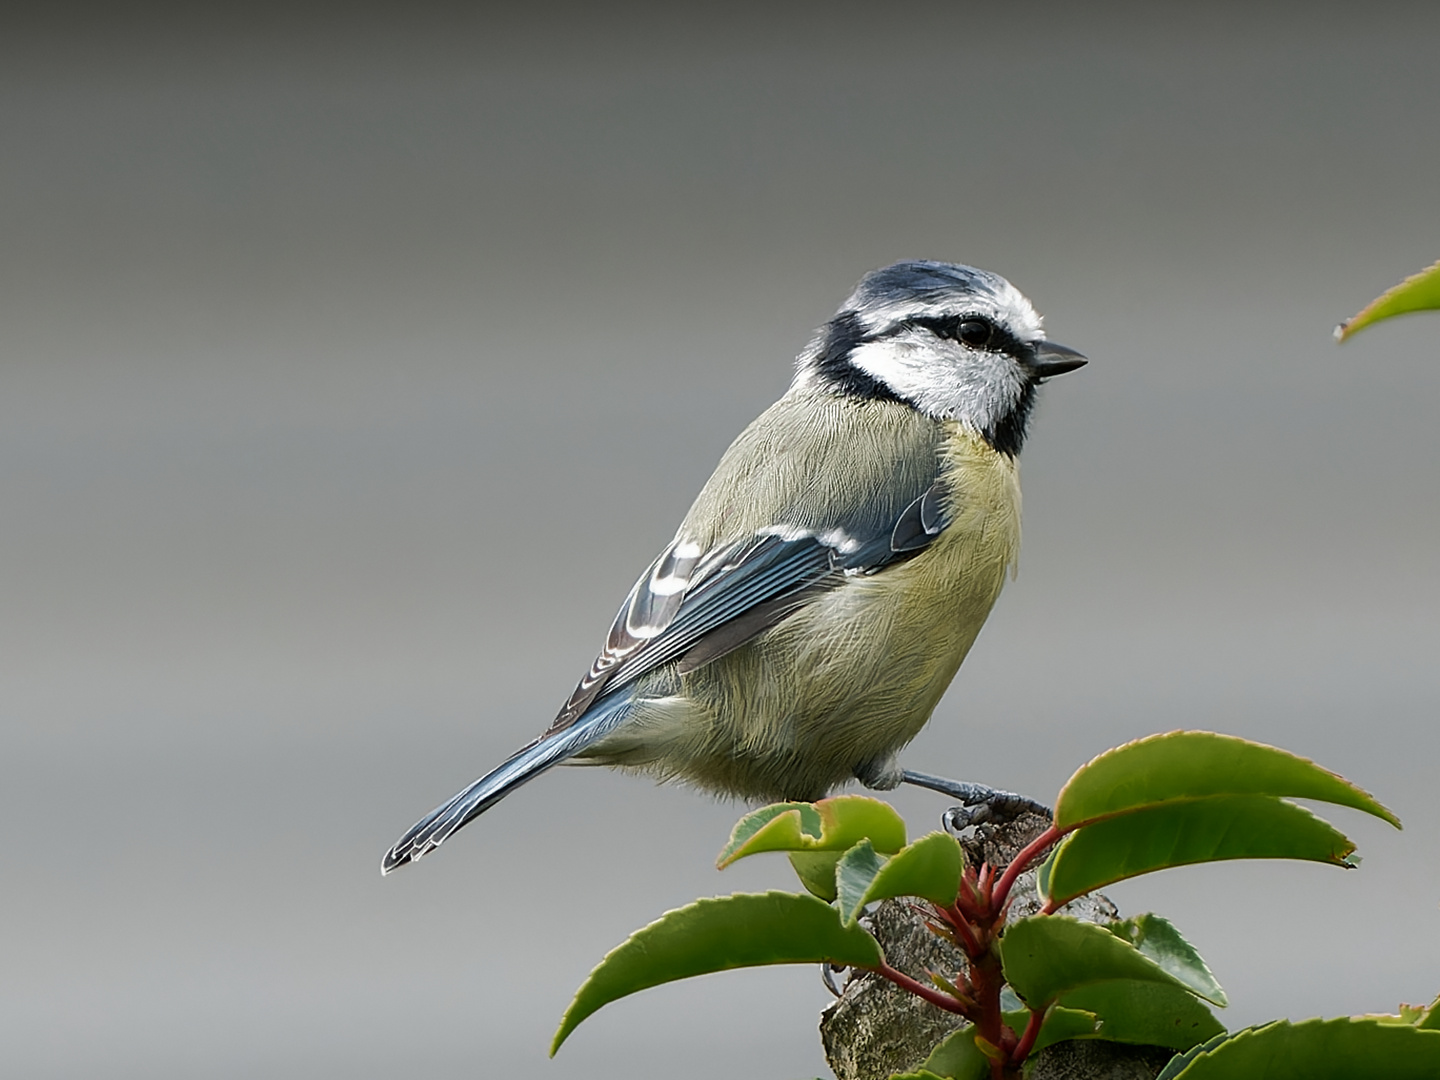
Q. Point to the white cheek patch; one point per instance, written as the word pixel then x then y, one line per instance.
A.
pixel 943 378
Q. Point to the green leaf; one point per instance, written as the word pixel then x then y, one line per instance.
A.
pixel 1420 1016
pixel 744 930
pixel 1144 1014
pixel 1430 1018
pixel 1048 955
pixel 1181 833
pixel 958 1058
pixel 1187 765
pixel 1418 292
pixel 1157 938
pixel 806 820
pixel 929 868
pixel 816 871
pixel 1062 1023
pixel 836 824
pixel 1177 1064
pixel 1315 1050
pixel 855 872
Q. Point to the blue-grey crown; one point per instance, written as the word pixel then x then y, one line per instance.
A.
pixel 922 281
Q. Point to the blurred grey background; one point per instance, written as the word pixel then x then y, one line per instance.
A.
pixel 356 359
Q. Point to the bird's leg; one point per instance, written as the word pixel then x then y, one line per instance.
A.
pixel 979 804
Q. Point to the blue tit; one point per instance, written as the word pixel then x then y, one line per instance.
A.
pixel 834 571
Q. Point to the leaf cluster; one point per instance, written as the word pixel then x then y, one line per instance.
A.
pixel 1168 800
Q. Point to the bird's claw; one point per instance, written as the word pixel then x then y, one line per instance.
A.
pixel 980 805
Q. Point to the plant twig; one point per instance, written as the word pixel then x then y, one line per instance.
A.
pixel 1018 865
pixel 932 994
pixel 1027 1040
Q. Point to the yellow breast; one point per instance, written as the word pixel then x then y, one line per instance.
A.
pixel 983 502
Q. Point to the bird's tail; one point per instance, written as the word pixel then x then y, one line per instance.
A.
pixel 524 765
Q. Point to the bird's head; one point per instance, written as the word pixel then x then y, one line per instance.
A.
pixel 952 341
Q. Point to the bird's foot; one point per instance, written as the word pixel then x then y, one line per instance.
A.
pixel 980 805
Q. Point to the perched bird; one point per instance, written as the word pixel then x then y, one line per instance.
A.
pixel 833 572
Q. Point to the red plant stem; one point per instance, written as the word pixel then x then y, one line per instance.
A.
pixel 986 979
pixel 932 994
pixel 1027 1040
pixel 1028 854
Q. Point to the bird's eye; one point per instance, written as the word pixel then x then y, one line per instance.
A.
pixel 975 332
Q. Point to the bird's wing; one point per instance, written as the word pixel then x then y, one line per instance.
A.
pixel 693 606
pixel 690 606
pixel 732 571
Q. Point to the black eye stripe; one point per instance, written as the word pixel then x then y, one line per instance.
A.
pixel 950 328
pixel 839 338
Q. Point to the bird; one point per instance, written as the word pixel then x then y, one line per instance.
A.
pixel 830 577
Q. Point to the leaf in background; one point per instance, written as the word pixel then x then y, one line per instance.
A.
pixel 836 824
pixel 1418 292
pixel 1146 1014
pixel 1341 1049
pixel 1157 938
pixel 1181 833
pixel 816 871
pixel 744 930
pixel 1048 955
pixel 1184 765
pixel 929 868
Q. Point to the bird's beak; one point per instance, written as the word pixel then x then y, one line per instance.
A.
pixel 1050 359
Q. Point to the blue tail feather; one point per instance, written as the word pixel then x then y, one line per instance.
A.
pixel 520 767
